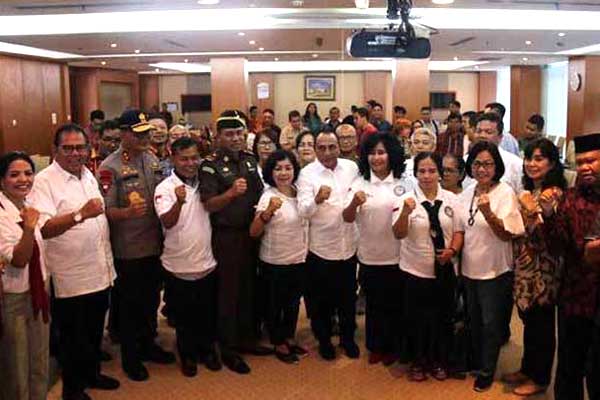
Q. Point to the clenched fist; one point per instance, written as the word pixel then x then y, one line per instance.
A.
pixel 409 206
pixel 359 198
pixel 180 193
pixel 239 187
pixel 30 217
pixel 549 200
pixel 275 204
pixel 323 194
pixel 484 204
pixel 138 209
pixel 92 208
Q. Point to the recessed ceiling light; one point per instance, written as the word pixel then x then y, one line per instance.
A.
pixel 561 34
pixel 186 60
pixel 252 42
pixel 297 3
pixel 137 51
pixel 103 63
pixel 251 5
pixel 208 2
pixel 528 42
pixel 276 59
pixel 361 4
pixel 157 70
pixel 455 58
pixel 241 34
pixel 315 55
pixel 113 45
pixel 442 2
pixel 525 59
pixel 261 49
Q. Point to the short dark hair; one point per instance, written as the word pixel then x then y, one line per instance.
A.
pixel 498 107
pixel 460 165
pixel 293 114
pixel 492 118
pixel 491 148
pixel 97 114
pixel 268 110
pixel 301 135
pixel 353 108
pixel 425 108
pixel 11 157
pixel 270 133
pixel 454 115
pixel 252 108
pixel 378 105
pixel 66 128
pixel 400 109
pixel 334 108
pixel 274 158
pixel 183 143
pixel 393 148
pixel 372 102
pixel 538 121
pixel 455 103
pixel 363 112
pixel 471 117
pixel 110 124
pixel 437 160
pixel 555 176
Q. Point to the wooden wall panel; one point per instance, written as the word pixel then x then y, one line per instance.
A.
pixel 229 85
pixel 375 86
pixel 525 96
pixel 262 104
pixel 591 86
pixel 487 88
pixel 31 91
pixel 149 92
pixel 411 86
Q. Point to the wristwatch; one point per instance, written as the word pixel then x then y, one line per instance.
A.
pixel 77 217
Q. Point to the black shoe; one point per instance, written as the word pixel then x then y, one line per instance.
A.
pixel 212 361
pixel 298 350
pixel 351 349
pixel 327 351
pixel 483 383
pixel 138 373
pixel 288 358
pixel 189 368
pixel 158 355
pixel 76 396
pixel 104 356
pixel 257 350
pixel 236 364
pixel 103 382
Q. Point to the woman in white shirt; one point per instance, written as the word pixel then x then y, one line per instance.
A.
pixel 431 236
pixel 265 143
pixel 491 218
pixel 370 202
pixel 283 251
pixel 24 313
pixel 305 148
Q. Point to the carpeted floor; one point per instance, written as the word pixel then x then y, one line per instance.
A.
pixel 312 379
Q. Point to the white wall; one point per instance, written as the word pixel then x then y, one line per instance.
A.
pixel 503 93
pixel 465 84
pixel 555 87
pixel 289 94
pixel 171 87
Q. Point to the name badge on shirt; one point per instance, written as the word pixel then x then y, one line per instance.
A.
pixel 399 190
pixel 449 211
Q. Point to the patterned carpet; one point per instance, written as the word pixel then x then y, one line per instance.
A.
pixel 312 379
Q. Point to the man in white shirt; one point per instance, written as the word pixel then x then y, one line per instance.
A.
pixel 79 258
pixel 331 262
pixel 187 256
pixel 490 127
pixel 429 122
pixel 287 138
pixel 508 142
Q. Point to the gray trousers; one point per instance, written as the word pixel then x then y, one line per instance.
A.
pixel 23 350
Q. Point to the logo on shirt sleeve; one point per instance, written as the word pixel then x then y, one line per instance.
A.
pixel 399 190
pixel 449 211
pixel 106 178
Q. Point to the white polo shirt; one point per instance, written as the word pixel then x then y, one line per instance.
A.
pixel 80 260
pixel 16 280
pixel 417 253
pixel 377 244
pixel 484 255
pixel 187 251
pixel 329 236
pixel 285 237
pixel 513 171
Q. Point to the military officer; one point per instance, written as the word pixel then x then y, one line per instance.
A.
pixel 230 188
pixel 128 178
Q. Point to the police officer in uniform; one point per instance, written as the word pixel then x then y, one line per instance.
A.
pixel 230 189
pixel 128 178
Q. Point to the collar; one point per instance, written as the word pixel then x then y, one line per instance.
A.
pixel 192 183
pixel 322 168
pixel 8 208
pixel 421 196
pixel 375 180
pixel 66 175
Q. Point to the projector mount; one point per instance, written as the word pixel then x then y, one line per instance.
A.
pixel 400 9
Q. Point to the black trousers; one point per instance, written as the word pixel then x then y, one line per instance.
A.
pixel 384 288
pixel 80 320
pixel 428 312
pixel 539 343
pixel 331 286
pixel 283 284
pixel 575 337
pixel 194 307
pixel 593 382
pixel 236 255
pixel 138 283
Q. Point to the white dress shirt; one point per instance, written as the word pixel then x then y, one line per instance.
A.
pixel 417 252
pixel 285 237
pixel 16 280
pixel 377 244
pixel 187 251
pixel 484 255
pixel 329 236
pixel 513 171
pixel 80 260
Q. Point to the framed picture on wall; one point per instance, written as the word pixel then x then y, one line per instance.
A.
pixel 319 87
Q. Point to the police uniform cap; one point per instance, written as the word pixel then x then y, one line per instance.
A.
pixel 134 120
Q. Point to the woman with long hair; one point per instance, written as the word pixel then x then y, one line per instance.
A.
pixel 311 119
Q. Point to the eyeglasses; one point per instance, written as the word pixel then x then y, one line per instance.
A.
pixel 484 164
pixel 347 138
pixel 302 144
pixel 71 148
pixel 266 144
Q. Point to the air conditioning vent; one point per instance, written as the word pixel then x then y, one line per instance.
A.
pixel 462 41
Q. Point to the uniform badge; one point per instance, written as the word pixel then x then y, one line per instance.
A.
pixel 225 169
pixel 399 190
pixel 206 168
pixel 105 177
pixel 226 159
pixel 125 156
pixel 449 211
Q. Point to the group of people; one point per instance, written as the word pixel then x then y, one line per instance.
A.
pixel 439 227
